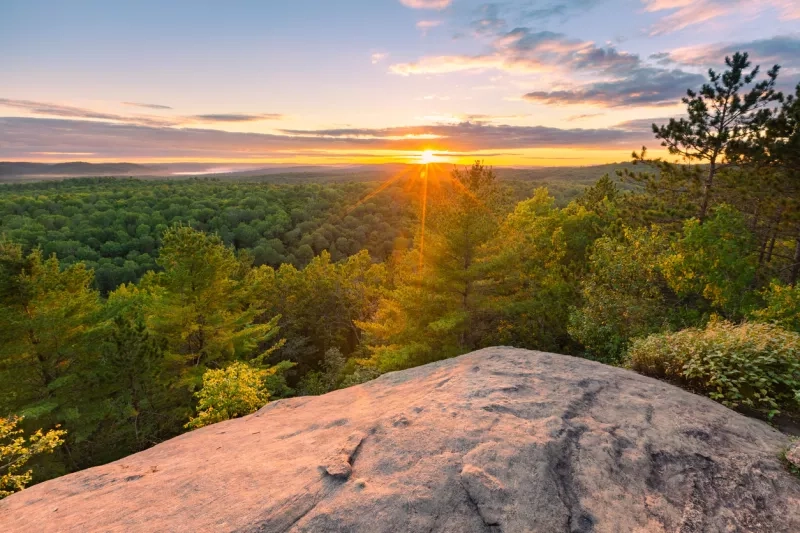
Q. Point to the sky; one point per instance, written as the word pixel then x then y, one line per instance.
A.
pixel 517 83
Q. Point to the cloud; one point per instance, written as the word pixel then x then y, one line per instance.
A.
pixel 584 116
pixel 146 106
pixel 642 124
pixel 426 25
pixel 21 136
pixel 486 118
pixel 43 108
pixel 234 117
pixel 488 20
pixel 782 49
pixel 378 57
pixel 59 110
pixel 493 18
pixel 643 86
pixel 525 50
pixel 563 10
pixel 427 4
pixel 475 118
pixel 685 13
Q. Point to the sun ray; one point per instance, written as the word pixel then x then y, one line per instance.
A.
pixel 424 176
pixel 383 186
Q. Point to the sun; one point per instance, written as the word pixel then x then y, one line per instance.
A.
pixel 427 157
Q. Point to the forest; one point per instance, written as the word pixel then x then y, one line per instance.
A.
pixel 133 311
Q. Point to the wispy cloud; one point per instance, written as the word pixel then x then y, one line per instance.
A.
pixel 642 124
pixel 525 50
pixel 488 20
pixel 21 136
pixel 146 106
pixel 685 13
pixel 426 4
pixel 426 25
pixel 783 50
pixel 584 116
pixel 226 117
pixel 377 57
pixel 544 10
pixel 476 118
pixel 640 87
pixel 60 110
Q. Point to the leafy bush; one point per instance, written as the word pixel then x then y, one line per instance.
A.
pixel 624 295
pixel 237 390
pixel 783 306
pixel 754 365
pixel 16 450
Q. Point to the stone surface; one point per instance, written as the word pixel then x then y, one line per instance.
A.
pixel 496 440
pixel 793 454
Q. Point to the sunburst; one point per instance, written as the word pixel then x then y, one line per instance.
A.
pixel 427 157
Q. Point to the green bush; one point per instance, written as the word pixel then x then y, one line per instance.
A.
pixel 754 365
pixel 783 306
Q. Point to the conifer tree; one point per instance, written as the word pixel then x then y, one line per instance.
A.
pixel 718 118
pixel 203 307
pixel 434 311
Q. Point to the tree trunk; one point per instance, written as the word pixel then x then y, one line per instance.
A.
pixel 775 226
pixel 795 272
pixel 707 190
pixel 754 222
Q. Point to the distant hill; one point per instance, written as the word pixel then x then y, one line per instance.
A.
pixel 571 179
pixel 74 168
pixel 587 174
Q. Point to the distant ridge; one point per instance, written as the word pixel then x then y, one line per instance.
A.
pixel 73 168
pixel 21 171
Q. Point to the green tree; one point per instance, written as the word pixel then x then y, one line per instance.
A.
pixel 203 307
pixel 625 293
pixel 537 260
pixel 716 261
pixel 718 118
pixel 48 314
pixel 435 310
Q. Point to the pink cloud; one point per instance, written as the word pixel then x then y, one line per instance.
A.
pixel 426 4
pixel 685 13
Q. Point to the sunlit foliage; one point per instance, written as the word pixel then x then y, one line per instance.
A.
pixel 16 450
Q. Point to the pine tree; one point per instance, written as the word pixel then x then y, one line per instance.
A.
pixel 203 307
pixel 435 310
pixel 718 119
pixel 47 314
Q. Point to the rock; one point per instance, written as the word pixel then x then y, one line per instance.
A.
pixel 793 454
pixel 497 440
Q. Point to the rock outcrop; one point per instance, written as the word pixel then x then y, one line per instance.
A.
pixel 497 440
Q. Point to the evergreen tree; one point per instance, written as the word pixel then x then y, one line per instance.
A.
pixel 435 310
pixel 718 118
pixel 203 307
pixel 48 314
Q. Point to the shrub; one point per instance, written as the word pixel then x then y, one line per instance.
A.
pixel 236 390
pixel 16 450
pixel 783 306
pixel 754 365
